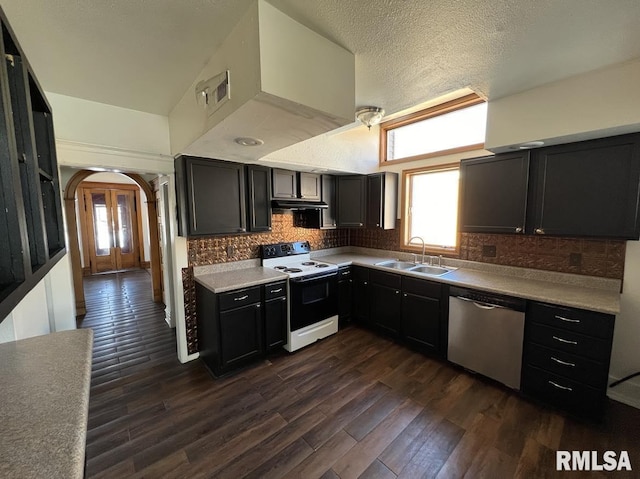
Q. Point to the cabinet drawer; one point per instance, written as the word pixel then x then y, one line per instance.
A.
pixel 577 320
pixel 421 287
pixel 275 290
pixel 359 273
pixel 385 279
pixel 238 298
pixel 575 397
pixel 567 365
pixel 344 273
pixel 568 341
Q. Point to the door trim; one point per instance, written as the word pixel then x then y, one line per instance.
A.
pixel 70 206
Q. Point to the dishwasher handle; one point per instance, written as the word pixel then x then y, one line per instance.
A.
pixel 480 305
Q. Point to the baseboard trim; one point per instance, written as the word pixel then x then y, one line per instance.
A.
pixel 627 393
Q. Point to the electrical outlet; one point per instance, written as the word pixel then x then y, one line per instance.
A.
pixel 489 251
pixel 231 250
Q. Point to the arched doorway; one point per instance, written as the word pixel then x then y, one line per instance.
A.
pixel 74 247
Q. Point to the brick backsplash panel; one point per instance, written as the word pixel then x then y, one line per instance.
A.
pixel 223 249
pixel 604 258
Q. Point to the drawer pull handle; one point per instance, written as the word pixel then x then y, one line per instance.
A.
pixel 564 363
pixel 276 290
pixel 565 388
pixel 241 298
pixel 564 340
pixel 568 320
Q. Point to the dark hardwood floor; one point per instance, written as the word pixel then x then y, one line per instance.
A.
pixel 352 405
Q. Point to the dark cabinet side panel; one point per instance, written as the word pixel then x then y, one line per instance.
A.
pixel 328 215
pixel 258 198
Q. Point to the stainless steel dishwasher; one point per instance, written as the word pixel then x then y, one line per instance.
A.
pixel 485 334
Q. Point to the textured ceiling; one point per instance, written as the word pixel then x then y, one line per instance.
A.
pixel 143 55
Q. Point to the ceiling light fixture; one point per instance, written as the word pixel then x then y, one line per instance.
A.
pixel 248 141
pixel 370 115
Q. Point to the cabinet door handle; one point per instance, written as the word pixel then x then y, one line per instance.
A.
pixel 564 363
pixel 241 298
pixel 567 341
pixel 397 292
pixel 276 290
pixel 365 283
pixel 539 231
pixel 556 385
pixel 568 320
pixel 258 306
pixel 518 229
pixel 350 281
pixel 284 298
pixel 405 295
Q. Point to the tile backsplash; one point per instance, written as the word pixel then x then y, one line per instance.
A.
pixel 591 257
pixel 222 249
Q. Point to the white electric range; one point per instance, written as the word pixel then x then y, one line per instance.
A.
pixel 313 292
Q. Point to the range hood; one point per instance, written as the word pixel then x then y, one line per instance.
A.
pixel 298 205
pixel 272 83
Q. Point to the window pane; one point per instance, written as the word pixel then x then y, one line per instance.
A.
pixel 124 220
pixel 434 207
pixel 102 230
pixel 443 132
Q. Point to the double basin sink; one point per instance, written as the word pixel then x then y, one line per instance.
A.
pixel 415 268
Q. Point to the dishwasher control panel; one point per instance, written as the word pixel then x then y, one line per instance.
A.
pixel 492 299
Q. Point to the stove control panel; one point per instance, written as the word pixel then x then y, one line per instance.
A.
pixel 279 250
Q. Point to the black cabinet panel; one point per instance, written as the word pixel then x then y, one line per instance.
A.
pixel 241 335
pixel 421 322
pixel 352 191
pixel 275 323
pixel 589 188
pixel 361 299
pixel 284 184
pixel 258 198
pixel 493 193
pixel 345 295
pixel 211 196
pixel 382 193
pixel 329 196
pixel 386 303
pixel 309 186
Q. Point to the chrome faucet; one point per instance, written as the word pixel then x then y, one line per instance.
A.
pixel 423 246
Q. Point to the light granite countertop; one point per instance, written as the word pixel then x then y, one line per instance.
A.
pixel 44 401
pixel 221 281
pixel 569 293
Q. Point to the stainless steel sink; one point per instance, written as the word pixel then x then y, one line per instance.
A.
pixel 396 264
pixel 431 270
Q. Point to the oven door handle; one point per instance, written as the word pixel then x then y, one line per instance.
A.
pixel 313 278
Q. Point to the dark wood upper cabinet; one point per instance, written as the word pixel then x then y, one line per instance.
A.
pixel 590 188
pixel 211 196
pixel 493 193
pixel 382 200
pixel 329 196
pixel 284 184
pixel 258 198
pixel 352 197
pixel 309 186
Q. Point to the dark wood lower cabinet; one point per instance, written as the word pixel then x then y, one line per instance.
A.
pixel 238 327
pixel 275 323
pixel 345 295
pixel 421 322
pixel 385 302
pixel 566 358
pixel 361 300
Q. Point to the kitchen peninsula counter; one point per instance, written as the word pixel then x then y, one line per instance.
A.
pixel 593 294
pixel 44 400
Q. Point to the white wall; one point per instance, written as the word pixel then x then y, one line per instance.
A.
pixel 601 103
pixel 47 308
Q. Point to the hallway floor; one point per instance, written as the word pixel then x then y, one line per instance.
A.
pixel 352 405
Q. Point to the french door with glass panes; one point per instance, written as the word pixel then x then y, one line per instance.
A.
pixel 112 229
